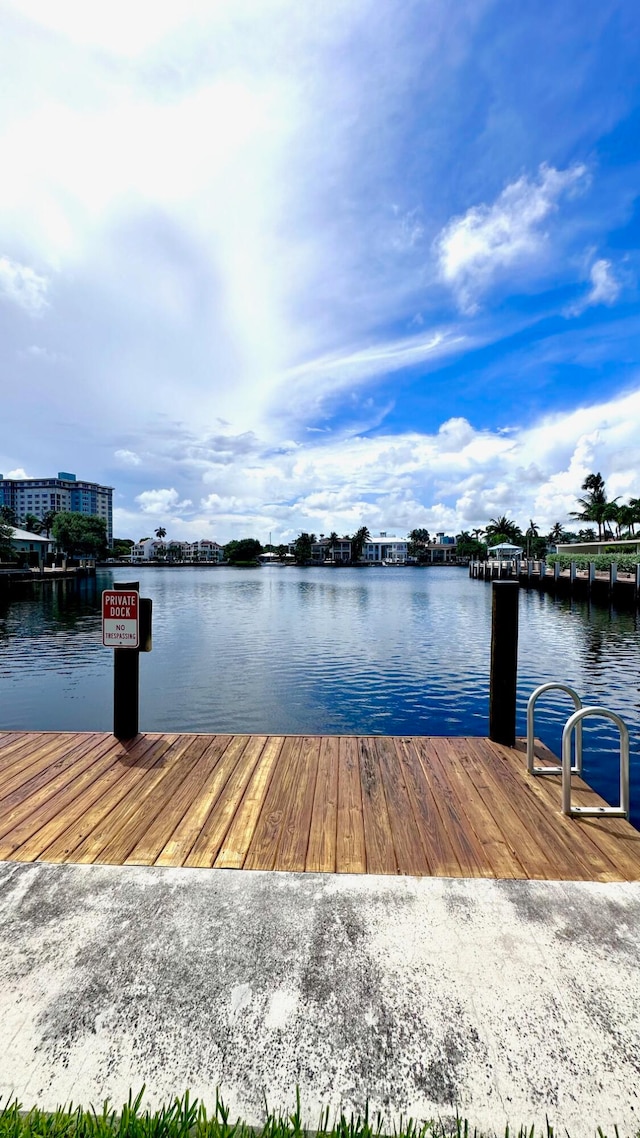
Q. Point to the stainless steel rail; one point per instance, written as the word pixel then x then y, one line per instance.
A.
pixel 575 723
pixel 531 707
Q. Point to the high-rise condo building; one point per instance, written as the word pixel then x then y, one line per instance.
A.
pixel 39 495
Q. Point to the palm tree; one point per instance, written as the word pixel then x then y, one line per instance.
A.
pixel 532 532
pixel 626 519
pixel 333 541
pixel 556 533
pixel 612 514
pixel 634 506
pixel 48 519
pixel 503 528
pixel 160 532
pixel 595 507
pixel 32 523
pixel 594 484
pixel 357 542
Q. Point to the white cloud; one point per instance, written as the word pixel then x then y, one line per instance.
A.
pixel 605 288
pixel 127 458
pixel 18 473
pixel 159 502
pixel 453 478
pixel 489 239
pixel 23 286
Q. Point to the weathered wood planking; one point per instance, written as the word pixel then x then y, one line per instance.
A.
pixel 449 807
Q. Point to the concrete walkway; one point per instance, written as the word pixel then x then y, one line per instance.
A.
pixel 505 1000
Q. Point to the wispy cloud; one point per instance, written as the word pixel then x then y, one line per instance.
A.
pixel 473 250
pixel 36 352
pixel 605 288
pixel 22 285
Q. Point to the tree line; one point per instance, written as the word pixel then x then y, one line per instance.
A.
pixel 77 535
pixel 86 535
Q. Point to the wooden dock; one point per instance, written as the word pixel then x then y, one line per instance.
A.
pixel 605 586
pixel 450 807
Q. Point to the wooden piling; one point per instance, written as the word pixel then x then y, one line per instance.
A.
pixel 504 662
pixel 126 684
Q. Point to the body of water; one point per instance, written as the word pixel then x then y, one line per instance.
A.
pixel 317 651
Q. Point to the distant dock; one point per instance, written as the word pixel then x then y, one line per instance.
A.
pixel 602 585
pixel 422 806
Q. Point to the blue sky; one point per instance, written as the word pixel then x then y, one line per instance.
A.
pixel 268 266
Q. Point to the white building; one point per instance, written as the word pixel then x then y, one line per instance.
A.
pixel 152 549
pixel 147 550
pixel 30 546
pixel 386 548
pixel 38 496
pixel 207 551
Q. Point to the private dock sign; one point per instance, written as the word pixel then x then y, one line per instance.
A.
pixel 120 623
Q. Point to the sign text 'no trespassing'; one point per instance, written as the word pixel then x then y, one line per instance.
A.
pixel 120 628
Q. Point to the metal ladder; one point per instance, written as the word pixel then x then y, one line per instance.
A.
pixel 567 768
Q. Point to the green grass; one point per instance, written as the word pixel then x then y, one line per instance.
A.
pixel 187 1118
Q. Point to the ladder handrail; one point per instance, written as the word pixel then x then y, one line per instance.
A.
pixel 531 707
pixel 575 722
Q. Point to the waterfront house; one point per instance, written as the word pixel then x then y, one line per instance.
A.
pixel 31 548
pixel 148 550
pixel 385 548
pixel 322 552
pixel 206 550
pixel 442 550
pixel 152 549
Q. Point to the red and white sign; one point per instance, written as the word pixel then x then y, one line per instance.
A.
pixel 120 609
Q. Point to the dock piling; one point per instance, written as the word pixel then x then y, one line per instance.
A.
pixel 504 662
pixel 126 684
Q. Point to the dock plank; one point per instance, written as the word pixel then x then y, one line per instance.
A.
pixel 296 826
pixel 502 859
pixel 351 855
pixel 91 847
pixel 584 859
pixel 165 790
pixel 454 807
pixel 321 854
pixel 615 839
pixel 407 844
pixel 220 753
pixel 235 845
pixel 23 817
pixel 129 773
pixel 381 856
pixel 30 770
pixel 266 838
pixel 465 845
pixel 211 812
pixel 526 840
pixel 439 852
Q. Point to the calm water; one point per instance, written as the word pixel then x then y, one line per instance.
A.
pixel 379 651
